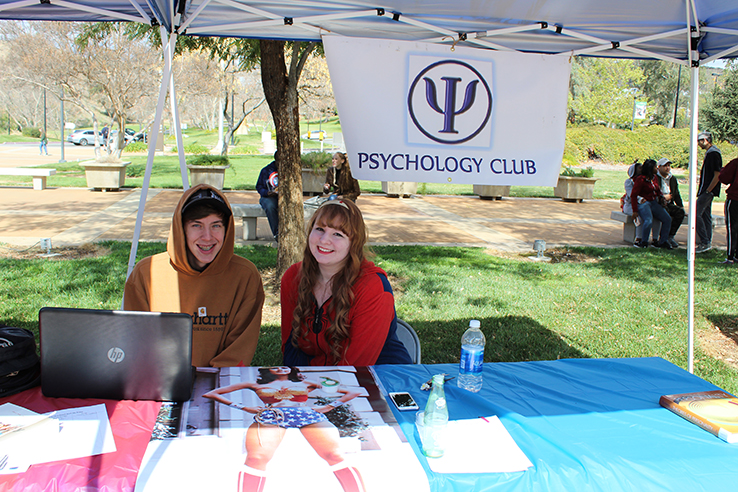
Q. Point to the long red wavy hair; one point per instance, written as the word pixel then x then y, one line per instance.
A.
pixel 345 216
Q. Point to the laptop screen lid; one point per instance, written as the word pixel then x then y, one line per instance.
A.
pixel 119 355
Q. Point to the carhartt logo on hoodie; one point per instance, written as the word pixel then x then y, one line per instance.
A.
pixel 202 322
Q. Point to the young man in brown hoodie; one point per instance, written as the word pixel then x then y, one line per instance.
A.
pixel 200 275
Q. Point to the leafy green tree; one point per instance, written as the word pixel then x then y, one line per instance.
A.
pixel 602 91
pixel 720 113
pixel 666 85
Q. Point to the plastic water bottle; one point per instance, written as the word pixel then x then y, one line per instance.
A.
pixel 435 420
pixel 472 356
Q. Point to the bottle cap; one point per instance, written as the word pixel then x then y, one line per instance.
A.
pixel 474 323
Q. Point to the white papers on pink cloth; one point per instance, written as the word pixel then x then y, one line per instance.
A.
pixel 479 446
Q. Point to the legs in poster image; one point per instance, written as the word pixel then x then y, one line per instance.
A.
pixel 262 441
pixel 212 463
pixel 221 446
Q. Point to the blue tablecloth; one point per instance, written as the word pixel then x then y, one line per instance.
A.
pixel 585 424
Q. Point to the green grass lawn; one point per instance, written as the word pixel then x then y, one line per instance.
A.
pixel 607 303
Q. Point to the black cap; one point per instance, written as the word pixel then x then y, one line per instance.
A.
pixel 209 197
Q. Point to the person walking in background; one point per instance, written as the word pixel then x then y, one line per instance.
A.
pixel 267 186
pixel 729 176
pixel 633 172
pixel 43 149
pixel 709 187
pixel 338 179
pixel 669 187
pixel 645 187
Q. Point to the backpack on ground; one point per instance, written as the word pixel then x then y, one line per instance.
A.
pixel 20 367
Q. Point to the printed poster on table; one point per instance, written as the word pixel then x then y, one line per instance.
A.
pixel 424 112
pixel 280 421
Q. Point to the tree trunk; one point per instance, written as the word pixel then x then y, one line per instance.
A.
pixel 121 137
pixel 280 89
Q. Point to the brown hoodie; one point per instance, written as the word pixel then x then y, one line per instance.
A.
pixel 225 299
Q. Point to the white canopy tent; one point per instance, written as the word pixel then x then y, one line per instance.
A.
pixel 686 32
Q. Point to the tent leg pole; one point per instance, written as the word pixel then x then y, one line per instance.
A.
pixel 153 135
pixel 691 239
pixel 168 56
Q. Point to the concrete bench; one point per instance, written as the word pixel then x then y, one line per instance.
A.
pixel 39 175
pixel 629 228
pixel 248 212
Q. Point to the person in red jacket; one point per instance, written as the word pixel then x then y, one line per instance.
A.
pixel 645 187
pixel 729 176
pixel 337 307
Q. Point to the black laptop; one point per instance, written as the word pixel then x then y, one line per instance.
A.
pixel 118 355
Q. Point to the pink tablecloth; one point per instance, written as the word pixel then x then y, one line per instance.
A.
pixel 131 422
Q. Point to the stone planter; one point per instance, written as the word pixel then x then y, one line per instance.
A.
pixel 209 175
pixel 491 192
pixel 105 176
pixel 575 188
pixel 312 181
pixel 399 188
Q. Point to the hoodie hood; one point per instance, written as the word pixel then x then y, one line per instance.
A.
pixel 177 242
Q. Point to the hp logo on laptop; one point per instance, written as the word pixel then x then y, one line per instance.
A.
pixel 116 355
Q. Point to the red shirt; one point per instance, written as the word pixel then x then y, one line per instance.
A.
pixel 646 188
pixel 370 317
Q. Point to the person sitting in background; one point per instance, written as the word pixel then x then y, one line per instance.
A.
pixel 669 187
pixel 338 179
pixel 729 176
pixel 267 186
pixel 338 307
pixel 199 275
pixel 633 171
pixel 644 186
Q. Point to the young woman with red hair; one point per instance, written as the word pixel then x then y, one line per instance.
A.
pixel 338 307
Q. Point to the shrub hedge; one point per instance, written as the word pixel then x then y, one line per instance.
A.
pixel 584 143
pixel 208 160
pixel 316 160
pixel 29 131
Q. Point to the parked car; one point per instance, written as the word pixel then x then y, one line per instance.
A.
pixel 84 137
pixel 128 135
pixel 140 137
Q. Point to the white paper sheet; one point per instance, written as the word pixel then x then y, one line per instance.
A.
pixel 83 431
pixel 67 434
pixel 479 446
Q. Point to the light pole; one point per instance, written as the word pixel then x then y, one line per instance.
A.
pixel 676 98
pixel 61 109
pixel 632 121
pixel 45 133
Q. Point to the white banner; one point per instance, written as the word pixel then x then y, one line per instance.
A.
pixel 413 111
pixel 639 110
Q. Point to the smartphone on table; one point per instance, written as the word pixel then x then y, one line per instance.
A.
pixel 403 400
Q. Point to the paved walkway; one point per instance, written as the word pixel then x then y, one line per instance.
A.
pixel 75 216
